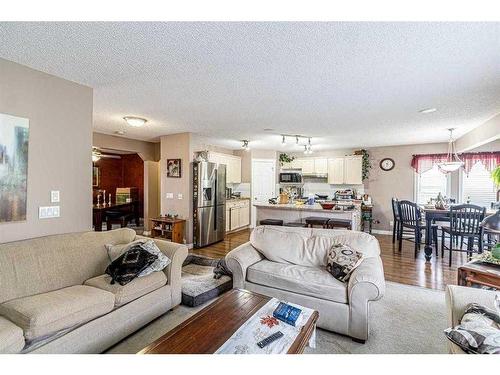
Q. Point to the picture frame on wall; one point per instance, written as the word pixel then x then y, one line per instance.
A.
pixel 174 168
pixel 95 176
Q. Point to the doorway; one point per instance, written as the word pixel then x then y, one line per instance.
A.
pixel 263 183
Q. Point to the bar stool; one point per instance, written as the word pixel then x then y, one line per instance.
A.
pixel 315 220
pixel 271 222
pixel 339 223
pixel 295 225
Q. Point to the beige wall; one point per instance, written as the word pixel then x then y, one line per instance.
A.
pixel 483 134
pixel 399 182
pixel 60 143
pixel 177 146
pixel 146 150
pixel 151 192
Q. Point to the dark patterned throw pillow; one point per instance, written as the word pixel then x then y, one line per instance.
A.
pixel 478 331
pixel 342 260
pixel 129 265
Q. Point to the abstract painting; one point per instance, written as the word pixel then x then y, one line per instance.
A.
pixel 14 137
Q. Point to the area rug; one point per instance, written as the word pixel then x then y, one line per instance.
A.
pixel 407 319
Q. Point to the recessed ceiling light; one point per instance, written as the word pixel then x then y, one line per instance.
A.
pixel 428 110
pixel 119 132
pixel 135 121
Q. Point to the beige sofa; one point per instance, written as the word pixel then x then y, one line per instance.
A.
pixel 457 300
pixel 289 263
pixel 55 298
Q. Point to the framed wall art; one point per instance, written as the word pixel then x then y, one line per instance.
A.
pixel 174 168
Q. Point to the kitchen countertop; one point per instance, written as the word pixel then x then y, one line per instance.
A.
pixel 303 207
pixel 238 199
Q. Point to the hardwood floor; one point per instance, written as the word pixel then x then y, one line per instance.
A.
pixel 400 267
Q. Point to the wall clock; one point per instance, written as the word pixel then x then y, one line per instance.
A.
pixel 387 164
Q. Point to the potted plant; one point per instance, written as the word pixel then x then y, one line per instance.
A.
pixel 285 158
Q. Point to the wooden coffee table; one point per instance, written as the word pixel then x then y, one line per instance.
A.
pixel 479 274
pixel 207 330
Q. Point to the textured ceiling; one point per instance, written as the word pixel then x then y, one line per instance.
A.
pixel 344 84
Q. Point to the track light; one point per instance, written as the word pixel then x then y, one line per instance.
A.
pixel 283 140
pixel 297 140
pixel 245 146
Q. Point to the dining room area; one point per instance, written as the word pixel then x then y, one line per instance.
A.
pixel 117 190
pixel 460 225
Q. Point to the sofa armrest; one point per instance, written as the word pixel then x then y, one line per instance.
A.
pixel 367 283
pixel 459 297
pixel 239 259
pixel 177 253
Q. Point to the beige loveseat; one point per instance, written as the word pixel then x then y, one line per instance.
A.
pixel 54 297
pixel 290 264
pixel 457 300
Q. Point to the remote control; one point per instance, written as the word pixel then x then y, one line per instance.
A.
pixel 270 339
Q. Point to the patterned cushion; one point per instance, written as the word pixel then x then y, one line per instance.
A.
pixel 115 251
pixel 342 260
pixel 478 331
pixel 129 265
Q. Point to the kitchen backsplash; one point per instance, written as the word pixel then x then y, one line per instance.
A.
pixel 324 188
pixel 243 189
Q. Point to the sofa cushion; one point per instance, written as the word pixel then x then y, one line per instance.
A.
pixel 11 337
pixel 44 264
pixel 45 314
pixel 310 281
pixel 133 290
pixel 308 247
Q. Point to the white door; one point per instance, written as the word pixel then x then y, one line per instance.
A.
pixel 263 183
pixel 353 170
pixel 336 171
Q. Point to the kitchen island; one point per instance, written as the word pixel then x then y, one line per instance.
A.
pixel 299 213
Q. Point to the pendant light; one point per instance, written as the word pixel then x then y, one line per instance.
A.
pixel 245 145
pixel 452 162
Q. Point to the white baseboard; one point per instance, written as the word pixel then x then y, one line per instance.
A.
pixel 380 231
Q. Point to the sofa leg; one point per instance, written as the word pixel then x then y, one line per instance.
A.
pixel 359 341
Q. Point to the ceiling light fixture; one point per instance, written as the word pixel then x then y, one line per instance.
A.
pixel 428 110
pixel 135 121
pixel 283 141
pixel 297 140
pixel 452 162
pixel 245 145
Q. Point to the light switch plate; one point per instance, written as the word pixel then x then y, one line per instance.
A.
pixel 49 212
pixel 179 196
pixel 170 195
pixel 54 196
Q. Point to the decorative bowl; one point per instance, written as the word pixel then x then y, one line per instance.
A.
pixel 327 205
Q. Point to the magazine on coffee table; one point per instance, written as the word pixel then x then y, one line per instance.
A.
pixel 262 325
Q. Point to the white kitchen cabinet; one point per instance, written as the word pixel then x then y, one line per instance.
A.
pixel 245 215
pixel 353 170
pixel 336 171
pixel 232 163
pixel 238 214
pixel 307 166
pixel 346 170
pixel 320 166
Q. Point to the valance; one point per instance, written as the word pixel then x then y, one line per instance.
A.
pixel 424 162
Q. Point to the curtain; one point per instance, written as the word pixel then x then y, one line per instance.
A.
pixel 424 162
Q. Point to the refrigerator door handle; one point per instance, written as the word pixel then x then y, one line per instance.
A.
pixel 215 202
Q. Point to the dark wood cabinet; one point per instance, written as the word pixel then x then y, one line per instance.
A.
pixel 168 229
pixel 479 275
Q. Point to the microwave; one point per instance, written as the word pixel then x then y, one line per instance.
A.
pixel 290 178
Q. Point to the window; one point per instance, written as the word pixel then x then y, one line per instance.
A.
pixel 478 186
pixel 429 184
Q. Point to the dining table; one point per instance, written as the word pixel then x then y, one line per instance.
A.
pixel 431 216
pixel 99 210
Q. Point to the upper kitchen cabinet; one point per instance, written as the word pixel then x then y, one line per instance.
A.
pixel 353 170
pixel 336 171
pixel 345 170
pixel 309 166
pixel 232 163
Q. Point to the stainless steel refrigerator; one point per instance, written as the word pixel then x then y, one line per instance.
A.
pixel 209 203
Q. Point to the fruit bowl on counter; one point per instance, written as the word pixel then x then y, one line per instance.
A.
pixel 327 205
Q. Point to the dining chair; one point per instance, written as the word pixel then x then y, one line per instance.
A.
pixel 411 219
pixel 395 219
pixel 465 220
